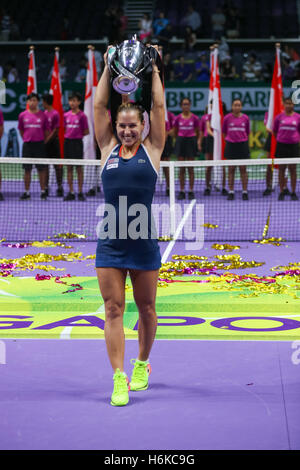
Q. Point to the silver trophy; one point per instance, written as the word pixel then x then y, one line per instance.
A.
pixel 127 63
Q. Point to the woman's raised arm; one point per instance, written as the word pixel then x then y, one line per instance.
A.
pixel 103 127
pixel 156 138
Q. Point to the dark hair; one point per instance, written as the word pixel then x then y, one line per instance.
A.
pixel 131 106
pixel 76 95
pixel 237 99
pixel 288 98
pixel 32 95
pixel 185 98
pixel 48 98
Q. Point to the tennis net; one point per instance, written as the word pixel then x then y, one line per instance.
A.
pixel 208 209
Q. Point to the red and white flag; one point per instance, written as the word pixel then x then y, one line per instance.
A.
pixel 56 91
pixel 217 109
pixel 211 81
pixel 276 96
pixel 89 150
pixel 31 81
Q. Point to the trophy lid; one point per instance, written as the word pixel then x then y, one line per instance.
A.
pixel 131 54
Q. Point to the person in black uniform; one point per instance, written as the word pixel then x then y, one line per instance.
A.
pixel 129 170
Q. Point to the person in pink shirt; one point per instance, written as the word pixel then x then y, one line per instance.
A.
pixel 186 127
pixel 168 148
pixel 76 127
pixel 286 129
pixel 236 130
pixel 210 155
pixel 52 142
pixel 33 127
pixel 1 134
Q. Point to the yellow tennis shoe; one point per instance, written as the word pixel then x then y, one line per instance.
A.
pixel 120 396
pixel 140 375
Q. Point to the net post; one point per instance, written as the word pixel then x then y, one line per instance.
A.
pixel 172 198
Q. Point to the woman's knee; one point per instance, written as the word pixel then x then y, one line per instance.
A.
pixel 147 310
pixel 113 309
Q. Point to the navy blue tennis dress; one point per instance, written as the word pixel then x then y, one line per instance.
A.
pixel 132 243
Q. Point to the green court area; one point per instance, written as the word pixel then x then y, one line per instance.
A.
pixel 187 309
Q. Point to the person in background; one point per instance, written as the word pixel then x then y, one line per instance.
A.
pixel 168 148
pixel 52 146
pixel 34 130
pixel 168 67
pixel 159 24
pixel 227 69
pixel 252 69
pixel 269 172
pixel 81 74
pixel 236 130
pixel 286 129
pixel 183 72
pixel 218 20
pixel 186 131
pixel 192 19
pixel 202 70
pixel 76 127
pixel 210 155
pixel 145 25
pixel 1 134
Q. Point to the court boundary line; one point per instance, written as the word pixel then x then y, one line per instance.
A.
pixel 178 230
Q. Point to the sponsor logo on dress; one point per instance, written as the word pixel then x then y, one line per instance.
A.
pixel 112 165
pixel 140 160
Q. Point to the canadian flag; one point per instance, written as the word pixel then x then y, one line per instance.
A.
pixel 276 96
pixel 56 91
pixel 31 81
pixel 217 109
pixel 89 150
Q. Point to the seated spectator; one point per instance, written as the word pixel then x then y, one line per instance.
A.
pixel 267 72
pixel 98 59
pixel 192 19
pixel 168 67
pixel 159 24
pixel 145 25
pixel 227 69
pixel 81 74
pixel 223 47
pixel 252 69
pixel 232 24
pixel 5 26
pixel 288 71
pixel 190 40
pixel 183 72
pixel 11 74
pixel 218 21
pixel 202 68
pixel 63 73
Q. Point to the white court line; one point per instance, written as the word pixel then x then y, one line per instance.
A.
pixel 178 230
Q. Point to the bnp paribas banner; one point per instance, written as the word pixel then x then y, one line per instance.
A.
pixel 255 98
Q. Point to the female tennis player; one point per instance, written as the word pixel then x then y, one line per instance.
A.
pixel 129 170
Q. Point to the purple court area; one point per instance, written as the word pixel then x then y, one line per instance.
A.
pixel 202 395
